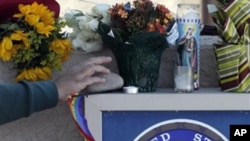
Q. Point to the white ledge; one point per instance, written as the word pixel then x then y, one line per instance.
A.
pixel 166 99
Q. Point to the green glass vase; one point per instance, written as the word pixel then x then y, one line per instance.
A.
pixel 138 57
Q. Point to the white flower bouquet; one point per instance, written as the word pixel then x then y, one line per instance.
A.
pixel 84 36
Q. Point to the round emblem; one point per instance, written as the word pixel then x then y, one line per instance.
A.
pixel 181 130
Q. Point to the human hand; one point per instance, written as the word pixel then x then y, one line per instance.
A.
pixel 81 76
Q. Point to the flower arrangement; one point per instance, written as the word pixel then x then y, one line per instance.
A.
pixel 137 37
pixel 33 41
pixel 84 36
pixel 141 16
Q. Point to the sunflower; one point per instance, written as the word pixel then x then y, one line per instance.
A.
pixel 61 47
pixel 6 48
pixel 33 42
pixel 38 16
pixel 35 74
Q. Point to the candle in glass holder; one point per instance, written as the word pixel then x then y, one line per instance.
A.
pixel 188 45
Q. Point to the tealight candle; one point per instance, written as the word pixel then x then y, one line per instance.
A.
pixel 130 89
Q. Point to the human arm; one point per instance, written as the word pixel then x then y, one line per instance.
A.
pixel 24 98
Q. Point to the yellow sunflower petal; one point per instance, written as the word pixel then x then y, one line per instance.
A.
pixel 61 46
pixel 6 49
pixel 43 73
pixel 6 43
pixel 43 29
pixel 32 19
pixel 19 35
pixel 33 75
pixel 47 71
pixel 24 10
pixel 20 76
pixel 35 7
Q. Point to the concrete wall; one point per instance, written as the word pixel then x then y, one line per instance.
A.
pixel 85 6
pixel 56 124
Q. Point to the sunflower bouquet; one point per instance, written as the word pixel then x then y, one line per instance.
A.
pixel 33 41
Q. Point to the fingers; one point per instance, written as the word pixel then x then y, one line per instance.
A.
pixel 81 76
pixel 92 80
pixel 86 82
pixel 93 65
pixel 98 60
pixel 91 70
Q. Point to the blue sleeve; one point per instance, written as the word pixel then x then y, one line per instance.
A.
pixel 24 98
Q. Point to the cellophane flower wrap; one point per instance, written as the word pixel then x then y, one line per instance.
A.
pixel 137 37
pixel 33 41
pixel 232 19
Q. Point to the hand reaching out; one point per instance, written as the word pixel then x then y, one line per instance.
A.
pixel 81 76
